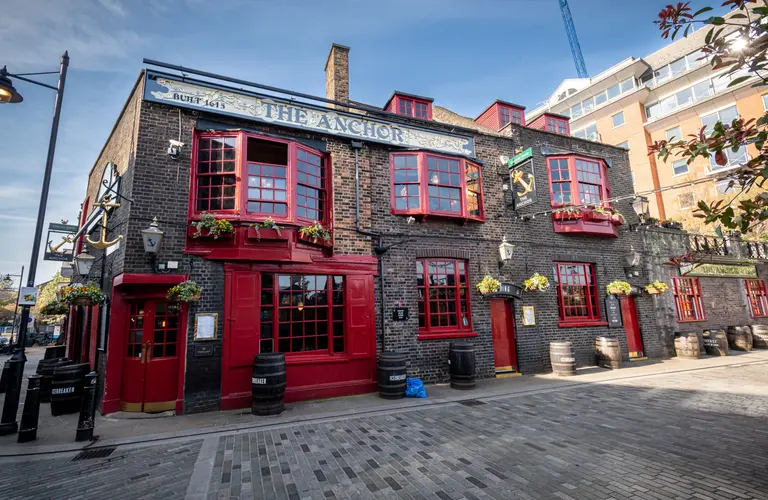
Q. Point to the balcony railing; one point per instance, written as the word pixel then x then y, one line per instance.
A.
pixel 755 250
pixel 709 245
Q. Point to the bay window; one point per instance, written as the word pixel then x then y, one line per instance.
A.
pixel 429 184
pixel 443 297
pixel 577 294
pixel 757 299
pixel 688 302
pixel 577 180
pixel 250 177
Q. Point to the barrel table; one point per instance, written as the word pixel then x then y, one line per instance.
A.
pixel 563 359
pixel 67 388
pixel 738 339
pixel 715 342
pixel 760 336
pixel 608 352
pixel 392 375
pixel 268 384
pixel 55 351
pixel 461 357
pixel 687 345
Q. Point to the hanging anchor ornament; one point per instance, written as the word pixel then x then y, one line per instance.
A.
pixel 103 243
pixel 64 241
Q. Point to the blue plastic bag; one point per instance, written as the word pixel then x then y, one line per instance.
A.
pixel 414 388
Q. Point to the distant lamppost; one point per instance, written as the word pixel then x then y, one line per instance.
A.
pixel 6 284
pixel 640 206
pixel 9 94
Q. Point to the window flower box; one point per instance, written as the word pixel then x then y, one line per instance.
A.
pixel 266 234
pixel 565 214
pixel 312 241
pixel 206 234
pixel 592 215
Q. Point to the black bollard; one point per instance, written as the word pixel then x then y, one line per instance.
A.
pixel 8 422
pixel 85 423
pixel 28 430
pixel 4 377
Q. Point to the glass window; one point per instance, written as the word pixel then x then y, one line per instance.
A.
pixel 517 117
pixel 708 121
pixel 684 97
pixel 702 90
pixel 421 110
pixel 677 67
pixel 720 83
pixel 406 107
pixel 627 85
pixel 668 104
pixel 215 177
pixel 413 107
pixel 673 134
pixel 582 134
pixel 680 167
pixel 591 132
pixel 588 105
pixel 662 74
pixel 688 302
pixel 613 91
pixel 267 177
pixel 633 179
pixel 653 110
pixel 686 201
pixel 577 296
pixel 624 145
pixel 576 111
pixel 302 313
pixel 723 186
pixel 449 186
pixel 589 175
pixel 505 116
pixel 600 98
pixel 560 175
pixel 551 125
pixel 618 119
pixel 756 298
pixel 765 102
pixel 727 115
pixel 443 295
pixel 310 185
pixel 695 59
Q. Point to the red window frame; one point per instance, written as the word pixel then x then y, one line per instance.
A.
pixel 435 301
pixel 757 298
pixel 517 117
pixel 688 301
pixel 409 106
pixel 557 125
pixel 505 116
pixel 578 178
pixel 240 211
pixel 302 310
pixel 400 182
pixel 570 291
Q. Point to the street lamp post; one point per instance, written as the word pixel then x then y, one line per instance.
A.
pixel 8 94
pixel 18 294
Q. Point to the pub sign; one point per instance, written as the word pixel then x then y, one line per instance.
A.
pixel 522 178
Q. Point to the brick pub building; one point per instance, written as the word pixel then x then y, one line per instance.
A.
pixel 417 201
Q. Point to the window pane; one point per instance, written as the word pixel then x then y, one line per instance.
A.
pixel 627 85
pixel 600 98
pixel 618 119
pixel 702 90
pixel 680 167
pixel 673 134
pixel 613 91
pixel 678 66
pixel 684 97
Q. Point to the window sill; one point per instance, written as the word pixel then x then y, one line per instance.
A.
pixel 691 320
pixel 446 335
pixel 314 359
pixel 581 324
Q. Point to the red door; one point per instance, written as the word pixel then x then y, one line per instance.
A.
pixel 631 327
pixel 151 364
pixel 503 331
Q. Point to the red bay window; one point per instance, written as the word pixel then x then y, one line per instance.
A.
pixel 410 105
pixel 756 298
pixel 577 295
pixel 443 291
pixel 249 177
pixel 429 184
pixel 688 302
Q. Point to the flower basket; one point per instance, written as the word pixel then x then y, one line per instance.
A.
pixel 54 308
pixel 488 285
pixel 592 215
pixel 186 291
pixel 618 288
pixel 82 295
pixel 617 219
pixel 266 230
pixel 210 226
pixel 561 215
pixel 315 234
pixel 536 283
pixel 656 288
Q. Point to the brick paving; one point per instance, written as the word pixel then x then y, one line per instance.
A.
pixel 693 435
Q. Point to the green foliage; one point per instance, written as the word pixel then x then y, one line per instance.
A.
pixel 656 287
pixel 315 232
pixel 46 297
pixel 77 293
pixel 488 285
pixel 536 282
pixel 216 227
pixel 268 223
pixel 186 291
pixel 618 287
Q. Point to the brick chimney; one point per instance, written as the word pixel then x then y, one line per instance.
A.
pixel 337 74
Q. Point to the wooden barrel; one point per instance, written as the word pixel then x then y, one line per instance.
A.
pixel 461 358
pixel 563 359
pixel 45 369
pixel 392 375
pixel 760 336
pixel 748 332
pixel 715 342
pixel 268 384
pixel 608 352
pixel 55 351
pixel 737 339
pixel 687 345
pixel 67 388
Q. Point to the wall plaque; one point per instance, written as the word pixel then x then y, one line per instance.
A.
pixel 507 291
pixel 399 313
pixel 205 326
pixel 203 351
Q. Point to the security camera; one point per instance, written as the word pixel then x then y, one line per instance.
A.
pixel 174 150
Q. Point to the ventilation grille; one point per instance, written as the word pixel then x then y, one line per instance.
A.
pixel 95 453
pixel 472 402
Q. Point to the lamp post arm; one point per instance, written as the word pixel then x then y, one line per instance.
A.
pixel 29 80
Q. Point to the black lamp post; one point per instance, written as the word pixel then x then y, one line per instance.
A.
pixel 8 94
pixel 7 281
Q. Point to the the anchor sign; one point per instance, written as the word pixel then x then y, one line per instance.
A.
pixel 518 177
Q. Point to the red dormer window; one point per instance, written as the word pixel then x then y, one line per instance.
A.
pixel 552 123
pixel 410 106
pixel 500 114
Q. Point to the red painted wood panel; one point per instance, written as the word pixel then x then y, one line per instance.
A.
pixel 503 332
pixel 360 327
pixel 631 326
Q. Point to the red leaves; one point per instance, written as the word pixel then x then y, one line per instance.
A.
pixel 720 158
pixel 673 18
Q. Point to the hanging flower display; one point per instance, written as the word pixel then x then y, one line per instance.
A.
pixel 618 288
pixel 54 308
pixel 656 287
pixel 186 291
pixel 488 285
pixel 216 227
pixel 82 295
pixel 536 282
pixel 315 232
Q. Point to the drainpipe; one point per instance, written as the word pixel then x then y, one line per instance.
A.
pixel 380 249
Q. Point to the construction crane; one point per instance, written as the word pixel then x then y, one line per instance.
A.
pixel 578 59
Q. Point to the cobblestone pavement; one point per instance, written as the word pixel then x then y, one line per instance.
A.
pixel 694 435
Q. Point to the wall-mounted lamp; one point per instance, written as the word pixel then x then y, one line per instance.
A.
pixel 84 262
pixel 506 250
pixel 152 237
pixel 640 206
pixel 632 260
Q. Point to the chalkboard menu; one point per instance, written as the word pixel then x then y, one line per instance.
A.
pixel 399 313
pixel 613 311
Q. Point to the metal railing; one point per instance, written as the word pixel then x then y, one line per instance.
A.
pixel 755 250
pixel 709 245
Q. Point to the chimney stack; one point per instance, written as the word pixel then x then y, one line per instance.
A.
pixel 337 74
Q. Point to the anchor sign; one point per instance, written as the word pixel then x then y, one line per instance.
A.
pixel 518 177
pixel 102 242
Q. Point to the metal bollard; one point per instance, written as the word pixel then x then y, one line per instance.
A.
pixel 85 423
pixel 4 377
pixel 8 422
pixel 31 411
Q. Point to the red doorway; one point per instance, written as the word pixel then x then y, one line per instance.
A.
pixel 503 331
pixel 632 328
pixel 151 362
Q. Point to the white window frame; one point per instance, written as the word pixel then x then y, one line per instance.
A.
pixel 687 168
pixel 677 136
pixel 765 102
pixel 613 119
pixel 624 144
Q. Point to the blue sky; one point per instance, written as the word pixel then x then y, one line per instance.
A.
pixel 463 53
